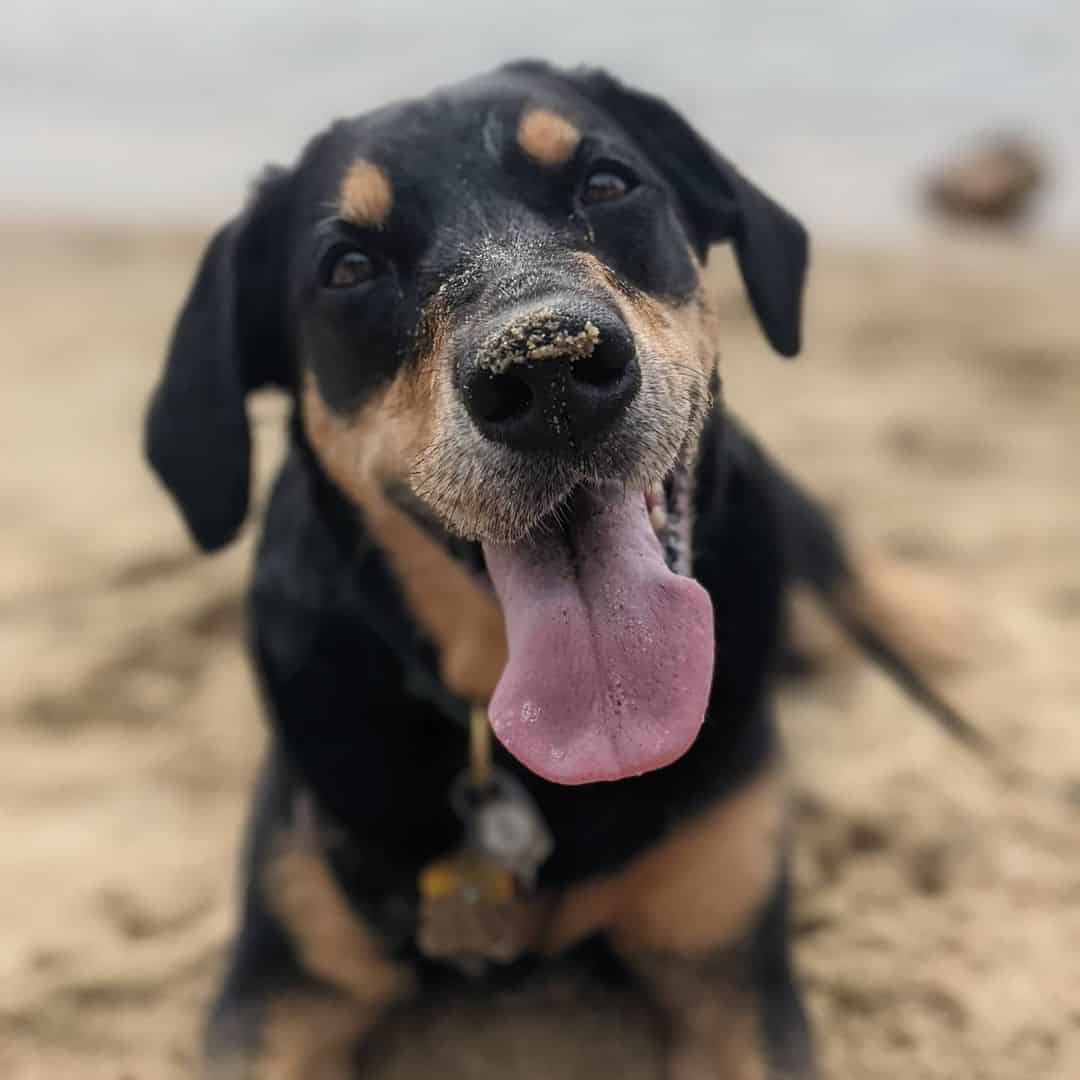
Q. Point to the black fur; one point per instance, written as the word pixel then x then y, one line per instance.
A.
pixel 231 338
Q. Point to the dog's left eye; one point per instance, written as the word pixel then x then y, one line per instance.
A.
pixel 345 269
pixel 606 185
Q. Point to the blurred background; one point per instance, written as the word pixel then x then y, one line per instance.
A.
pixel 168 108
pixel 934 151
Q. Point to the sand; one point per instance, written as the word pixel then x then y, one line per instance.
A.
pixel 938 906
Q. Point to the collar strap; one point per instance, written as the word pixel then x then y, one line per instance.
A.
pixel 479 748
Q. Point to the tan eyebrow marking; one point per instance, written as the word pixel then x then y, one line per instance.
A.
pixel 548 138
pixel 366 196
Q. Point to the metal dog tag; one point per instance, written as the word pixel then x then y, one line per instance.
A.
pixel 477 905
pixel 502 823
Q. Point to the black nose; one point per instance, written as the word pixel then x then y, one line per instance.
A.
pixel 551 382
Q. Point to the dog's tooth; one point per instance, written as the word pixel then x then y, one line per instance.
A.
pixel 658 517
pixel 657 490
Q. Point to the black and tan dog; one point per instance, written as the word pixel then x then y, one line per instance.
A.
pixel 510 481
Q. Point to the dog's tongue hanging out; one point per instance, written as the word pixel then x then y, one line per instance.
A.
pixel 611 654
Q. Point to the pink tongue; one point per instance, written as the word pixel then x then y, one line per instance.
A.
pixel 611 654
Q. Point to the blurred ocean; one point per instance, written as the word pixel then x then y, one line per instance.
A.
pixel 120 109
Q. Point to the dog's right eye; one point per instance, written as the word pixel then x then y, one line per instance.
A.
pixel 347 268
pixel 607 183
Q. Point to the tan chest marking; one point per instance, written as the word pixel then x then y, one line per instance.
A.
pixel 698 889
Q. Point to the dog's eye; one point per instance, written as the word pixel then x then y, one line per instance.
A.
pixel 348 268
pixel 605 185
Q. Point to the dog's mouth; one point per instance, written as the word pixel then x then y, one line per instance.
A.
pixel 610 643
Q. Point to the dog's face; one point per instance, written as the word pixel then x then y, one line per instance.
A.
pixel 488 304
pixel 500 305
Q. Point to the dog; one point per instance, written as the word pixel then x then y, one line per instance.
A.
pixel 512 486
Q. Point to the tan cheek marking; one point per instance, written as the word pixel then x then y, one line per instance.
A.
pixel 366 196
pixel 461 617
pixel 465 622
pixel 549 139
pixel 679 334
pixel 698 889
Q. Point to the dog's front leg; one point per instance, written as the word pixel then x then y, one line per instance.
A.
pixel 305 1032
pixel 712 1013
pixel 308 981
pixel 701 918
pixel 731 1013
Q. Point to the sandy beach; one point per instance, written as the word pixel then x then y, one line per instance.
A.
pixel 938 910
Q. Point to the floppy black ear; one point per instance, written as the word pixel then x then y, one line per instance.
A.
pixel 229 339
pixel 720 204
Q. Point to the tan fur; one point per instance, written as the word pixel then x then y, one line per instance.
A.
pixel 918 615
pixel 304 1036
pixel 331 941
pixel 681 336
pixel 460 615
pixel 311 1038
pixel 813 634
pixel 696 890
pixel 713 1016
pixel 913 610
pixel 548 138
pixel 728 1042
pixel 366 196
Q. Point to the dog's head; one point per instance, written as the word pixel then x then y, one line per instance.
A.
pixel 488 302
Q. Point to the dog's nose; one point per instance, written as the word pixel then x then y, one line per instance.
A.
pixel 551 382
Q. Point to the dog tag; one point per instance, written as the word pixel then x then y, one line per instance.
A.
pixel 476 906
pixel 503 824
pixel 471 914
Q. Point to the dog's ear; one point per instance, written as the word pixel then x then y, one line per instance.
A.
pixel 719 203
pixel 229 339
